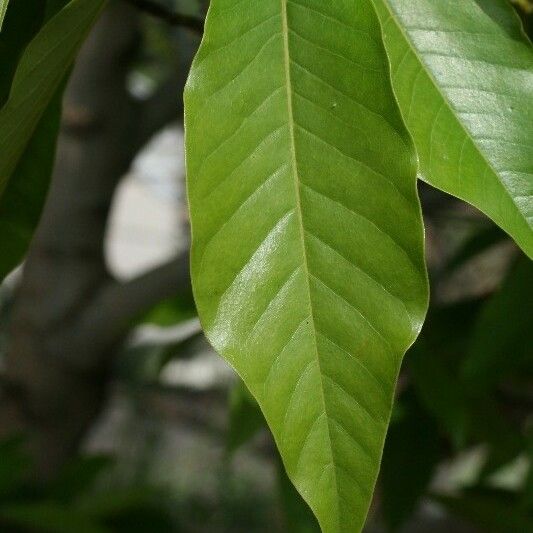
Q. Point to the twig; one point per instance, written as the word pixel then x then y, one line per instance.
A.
pixel 170 17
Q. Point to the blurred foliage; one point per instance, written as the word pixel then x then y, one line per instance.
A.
pixel 502 327
pixel 189 7
pixel 165 49
pixel 471 373
pixel 76 500
pixel 35 44
pixel 171 311
pixel 525 5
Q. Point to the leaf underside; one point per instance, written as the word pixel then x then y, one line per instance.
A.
pixel 307 254
pixel 463 75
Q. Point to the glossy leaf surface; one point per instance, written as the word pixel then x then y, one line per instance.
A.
pixel 463 75
pixel 307 255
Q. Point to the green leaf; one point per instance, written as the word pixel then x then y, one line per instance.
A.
pixel 475 245
pixel 31 87
pixel 3 9
pixel 23 199
pixel 19 205
pixel 463 75
pixel 307 253
pixel 41 70
pixel 23 20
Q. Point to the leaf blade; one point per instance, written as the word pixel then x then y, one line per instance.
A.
pixel 297 156
pixel 23 199
pixel 3 10
pixel 40 71
pixel 465 97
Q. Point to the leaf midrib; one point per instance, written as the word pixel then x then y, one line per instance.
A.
pixel 448 104
pixel 297 189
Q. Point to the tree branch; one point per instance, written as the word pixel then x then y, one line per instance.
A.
pixel 170 17
pixel 107 319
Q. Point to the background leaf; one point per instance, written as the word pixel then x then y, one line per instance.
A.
pixel 47 517
pixel 3 9
pixel 23 21
pixel 21 203
pixel 31 87
pixel 23 199
pixel 463 75
pixel 40 71
pixel 307 255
